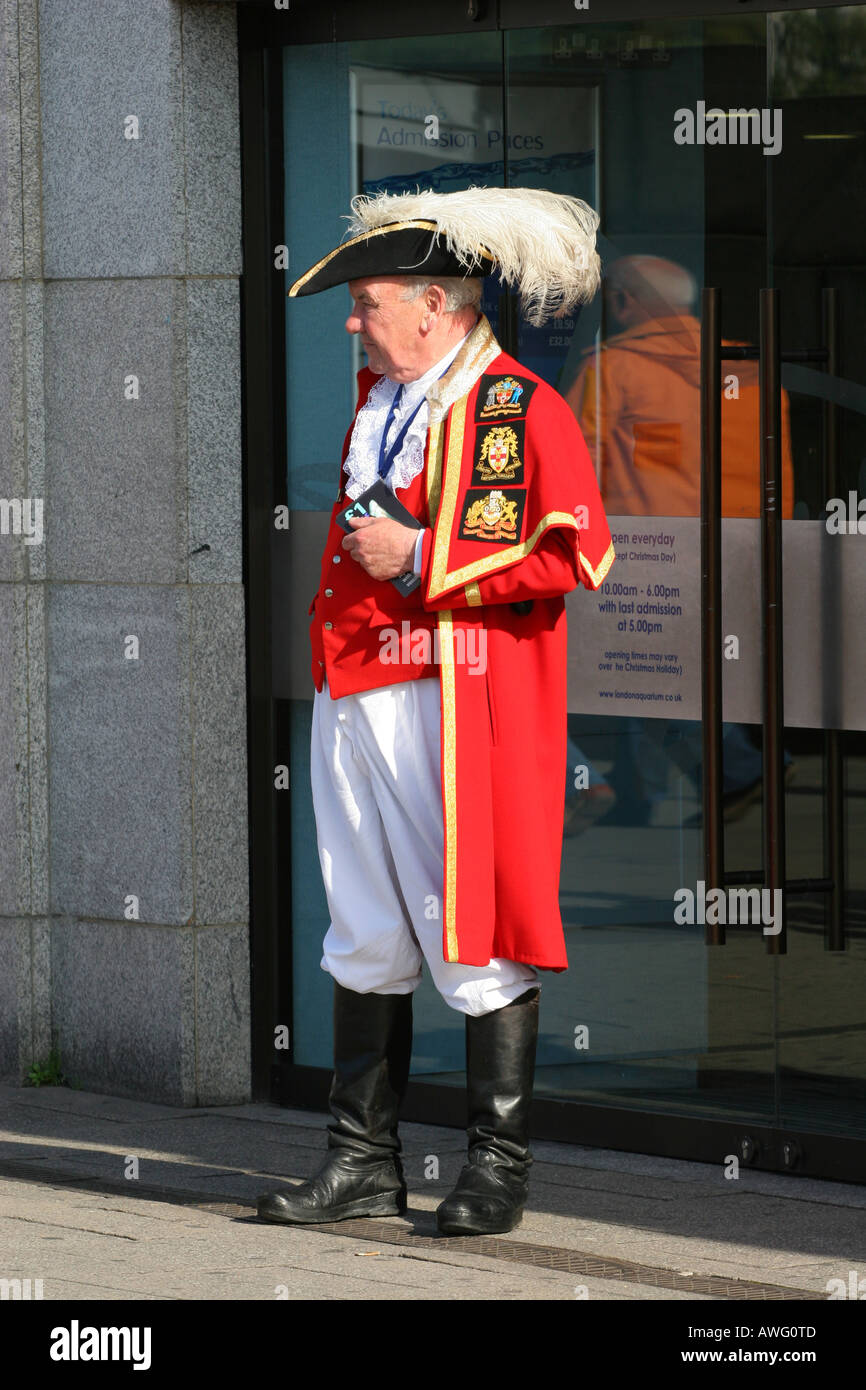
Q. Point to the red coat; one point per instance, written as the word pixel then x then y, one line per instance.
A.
pixel 517 520
pixel 359 608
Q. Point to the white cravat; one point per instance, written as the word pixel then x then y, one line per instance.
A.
pixel 362 461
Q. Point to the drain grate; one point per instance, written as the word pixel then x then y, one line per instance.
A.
pixel 551 1257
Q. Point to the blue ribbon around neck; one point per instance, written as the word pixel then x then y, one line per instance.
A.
pixel 386 459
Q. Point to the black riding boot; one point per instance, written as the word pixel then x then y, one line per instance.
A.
pixel 362 1174
pixel 500 1069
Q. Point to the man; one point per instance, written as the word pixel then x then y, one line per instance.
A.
pixel 638 402
pixel 439 716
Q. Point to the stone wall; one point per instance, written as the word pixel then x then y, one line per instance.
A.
pixel 124 915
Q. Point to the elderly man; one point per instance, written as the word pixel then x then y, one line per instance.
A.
pixel 438 642
pixel 638 402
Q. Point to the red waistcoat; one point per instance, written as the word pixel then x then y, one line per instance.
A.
pixel 363 629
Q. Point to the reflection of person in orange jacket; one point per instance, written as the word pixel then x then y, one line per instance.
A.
pixel 639 406
pixel 638 402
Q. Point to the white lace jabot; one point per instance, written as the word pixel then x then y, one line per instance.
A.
pixel 362 461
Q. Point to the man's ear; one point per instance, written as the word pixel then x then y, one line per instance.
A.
pixel 434 300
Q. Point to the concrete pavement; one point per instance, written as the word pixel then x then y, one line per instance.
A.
pixel 107 1198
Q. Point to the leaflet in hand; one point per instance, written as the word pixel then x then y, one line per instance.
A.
pixel 380 501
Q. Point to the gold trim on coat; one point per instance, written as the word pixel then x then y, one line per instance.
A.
pixel 597 575
pixel 476 354
pixel 434 469
pixel 449 780
pixel 448 505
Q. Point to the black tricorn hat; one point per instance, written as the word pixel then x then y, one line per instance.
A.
pixel 398 248
pixel 542 244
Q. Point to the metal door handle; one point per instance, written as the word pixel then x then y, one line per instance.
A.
pixel 773 694
pixel 711 600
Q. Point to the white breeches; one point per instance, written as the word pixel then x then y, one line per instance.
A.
pixel 378 802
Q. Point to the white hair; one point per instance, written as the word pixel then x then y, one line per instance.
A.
pixel 656 283
pixel 543 243
pixel 460 293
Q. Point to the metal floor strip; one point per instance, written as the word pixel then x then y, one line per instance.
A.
pixel 550 1257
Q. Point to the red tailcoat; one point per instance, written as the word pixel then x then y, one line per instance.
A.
pixel 516 520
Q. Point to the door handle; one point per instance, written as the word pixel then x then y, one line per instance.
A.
pixel 835 834
pixel 773 871
pixel 711 601
pixel 773 694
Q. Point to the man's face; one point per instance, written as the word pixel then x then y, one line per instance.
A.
pixel 388 325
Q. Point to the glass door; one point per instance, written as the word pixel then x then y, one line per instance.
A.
pixel 633 1022
pixel 723 152
pixel 726 152
pixel 816 200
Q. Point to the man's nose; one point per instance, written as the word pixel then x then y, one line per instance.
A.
pixel 353 324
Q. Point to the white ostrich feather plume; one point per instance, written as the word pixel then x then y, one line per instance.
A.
pixel 543 243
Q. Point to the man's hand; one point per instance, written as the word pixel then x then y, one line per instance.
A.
pixel 383 547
